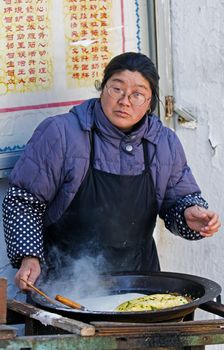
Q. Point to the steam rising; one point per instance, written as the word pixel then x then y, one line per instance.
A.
pixel 79 278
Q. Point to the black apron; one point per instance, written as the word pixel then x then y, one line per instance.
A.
pixel 111 217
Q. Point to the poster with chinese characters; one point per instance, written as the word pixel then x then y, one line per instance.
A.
pixel 51 54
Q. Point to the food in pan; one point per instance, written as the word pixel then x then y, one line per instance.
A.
pixel 153 302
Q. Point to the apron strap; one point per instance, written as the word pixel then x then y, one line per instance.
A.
pixel 91 144
pixel 147 161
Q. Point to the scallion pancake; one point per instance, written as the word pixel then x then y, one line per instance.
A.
pixel 153 302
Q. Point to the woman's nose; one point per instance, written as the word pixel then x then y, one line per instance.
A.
pixel 124 100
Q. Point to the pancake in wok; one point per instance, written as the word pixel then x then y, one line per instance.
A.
pixel 153 302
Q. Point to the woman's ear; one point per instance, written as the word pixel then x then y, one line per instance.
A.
pixel 153 102
pixel 149 107
pixel 101 92
pixel 149 110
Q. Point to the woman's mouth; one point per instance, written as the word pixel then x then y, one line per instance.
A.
pixel 122 113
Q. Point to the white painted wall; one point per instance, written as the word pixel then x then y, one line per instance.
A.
pixel 198 77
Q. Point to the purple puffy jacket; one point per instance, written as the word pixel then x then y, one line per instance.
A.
pixel 56 158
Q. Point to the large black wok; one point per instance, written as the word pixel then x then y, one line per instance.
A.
pixel 200 290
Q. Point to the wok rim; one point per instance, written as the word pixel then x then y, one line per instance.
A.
pixel 212 290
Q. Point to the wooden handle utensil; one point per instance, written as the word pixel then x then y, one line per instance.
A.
pixel 69 302
pixel 38 291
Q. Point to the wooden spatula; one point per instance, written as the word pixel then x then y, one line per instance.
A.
pixel 70 303
pixel 39 291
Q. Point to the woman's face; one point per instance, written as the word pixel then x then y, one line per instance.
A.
pixel 126 86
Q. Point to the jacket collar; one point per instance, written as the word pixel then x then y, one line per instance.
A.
pixel 90 114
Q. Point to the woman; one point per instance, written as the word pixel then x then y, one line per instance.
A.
pixel 92 181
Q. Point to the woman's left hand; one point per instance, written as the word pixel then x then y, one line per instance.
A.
pixel 202 220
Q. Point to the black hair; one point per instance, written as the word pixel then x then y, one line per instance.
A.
pixel 135 62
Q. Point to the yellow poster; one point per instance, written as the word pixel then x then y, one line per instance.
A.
pixel 89 40
pixel 25 46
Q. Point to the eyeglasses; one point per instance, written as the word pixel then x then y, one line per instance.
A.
pixel 136 98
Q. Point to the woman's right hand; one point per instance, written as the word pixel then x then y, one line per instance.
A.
pixel 29 271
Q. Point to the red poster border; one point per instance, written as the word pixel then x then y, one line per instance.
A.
pixel 66 103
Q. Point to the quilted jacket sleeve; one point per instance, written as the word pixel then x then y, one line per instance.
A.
pixel 38 170
pixel 34 182
pixel 182 192
pixel 180 180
